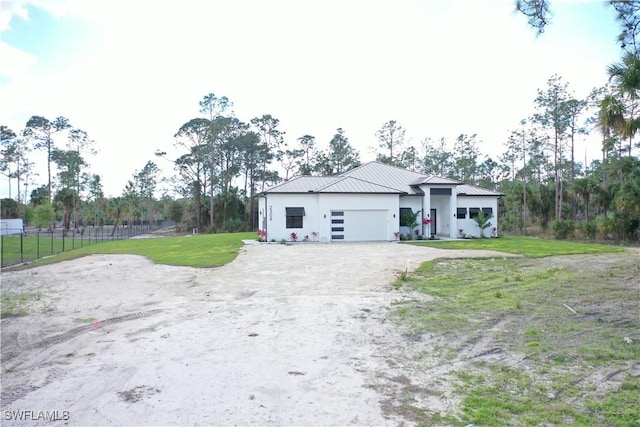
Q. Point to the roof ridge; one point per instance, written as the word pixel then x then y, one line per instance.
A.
pixel 336 179
pixel 375 183
pixel 381 164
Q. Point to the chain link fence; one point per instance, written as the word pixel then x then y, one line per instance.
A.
pixel 20 246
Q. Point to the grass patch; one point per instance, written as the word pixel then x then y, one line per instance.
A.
pixel 556 368
pixel 527 246
pixel 16 304
pixel 202 250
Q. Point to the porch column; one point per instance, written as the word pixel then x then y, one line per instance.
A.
pixel 426 210
pixel 453 217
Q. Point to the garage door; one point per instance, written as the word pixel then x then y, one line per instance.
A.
pixel 359 225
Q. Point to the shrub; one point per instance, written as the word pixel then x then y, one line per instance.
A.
pixel 563 229
pixel 589 229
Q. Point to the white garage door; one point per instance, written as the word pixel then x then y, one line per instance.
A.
pixel 359 225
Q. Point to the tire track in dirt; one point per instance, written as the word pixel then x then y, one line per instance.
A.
pixel 14 393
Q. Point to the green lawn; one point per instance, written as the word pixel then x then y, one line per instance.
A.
pixel 559 368
pixel 527 246
pixel 34 246
pixel 203 250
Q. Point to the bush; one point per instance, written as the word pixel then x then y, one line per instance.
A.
pixel 563 229
pixel 589 229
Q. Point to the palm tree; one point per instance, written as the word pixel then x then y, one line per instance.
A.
pixel 626 77
pixel 483 220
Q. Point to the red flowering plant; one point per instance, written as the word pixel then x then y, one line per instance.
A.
pixel 294 237
pixel 427 221
pixel 262 235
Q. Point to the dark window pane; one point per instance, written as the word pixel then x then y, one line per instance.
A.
pixel 337 237
pixel 337 228
pixel 337 213
pixel 461 213
pixel 440 191
pixel 473 212
pixel 487 210
pixel 294 222
pixel 337 221
pixel 295 211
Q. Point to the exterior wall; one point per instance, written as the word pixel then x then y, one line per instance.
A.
pixel 318 208
pixel 274 215
pixel 469 226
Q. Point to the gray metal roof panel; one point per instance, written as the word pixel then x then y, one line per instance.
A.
pixel 387 175
pixel 473 190
pixel 302 184
pixel 349 184
pixel 433 179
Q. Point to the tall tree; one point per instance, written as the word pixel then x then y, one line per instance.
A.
pixel 437 157
pixel 147 182
pixel 193 166
pixel 306 164
pixel 8 150
pixel 41 131
pixel 251 149
pixel 465 158
pixel 391 139
pixel 214 108
pixel 552 114
pixel 272 139
pixel 340 157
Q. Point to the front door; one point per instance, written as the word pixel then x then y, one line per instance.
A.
pixel 433 222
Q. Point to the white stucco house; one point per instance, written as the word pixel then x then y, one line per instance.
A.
pixel 367 202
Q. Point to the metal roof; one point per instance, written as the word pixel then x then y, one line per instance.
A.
pixel 375 178
pixel 349 184
pixel 473 190
pixel 432 179
pixel 388 176
pixel 302 184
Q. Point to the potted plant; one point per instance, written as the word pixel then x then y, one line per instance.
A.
pixel 294 237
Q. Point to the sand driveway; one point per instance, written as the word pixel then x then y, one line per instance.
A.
pixel 283 335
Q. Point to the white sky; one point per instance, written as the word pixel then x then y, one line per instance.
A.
pixel 131 72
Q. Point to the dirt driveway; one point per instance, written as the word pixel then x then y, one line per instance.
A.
pixel 284 335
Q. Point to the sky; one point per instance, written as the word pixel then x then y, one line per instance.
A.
pixel 131 72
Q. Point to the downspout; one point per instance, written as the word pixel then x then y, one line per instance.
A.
pixel 266 220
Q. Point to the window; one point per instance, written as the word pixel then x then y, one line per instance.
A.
pixel 337 221
pixel 294 217
pixel 337 228
pixel 461 213
pixel 487 211
pixel 473 212
pixel 403 213
pixel 440 191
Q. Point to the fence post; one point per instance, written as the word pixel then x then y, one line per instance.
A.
pixel 21 248
pixel 38 244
